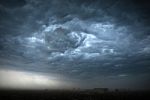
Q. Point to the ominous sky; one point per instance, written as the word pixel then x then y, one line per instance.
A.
pixel 75 43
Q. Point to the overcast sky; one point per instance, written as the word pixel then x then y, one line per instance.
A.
pixel 76 43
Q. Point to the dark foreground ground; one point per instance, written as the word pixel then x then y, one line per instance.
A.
pixel 72 95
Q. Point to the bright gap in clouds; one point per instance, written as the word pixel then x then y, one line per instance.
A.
pixel 13 79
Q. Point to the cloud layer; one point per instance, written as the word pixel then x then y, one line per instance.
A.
pixel 99 41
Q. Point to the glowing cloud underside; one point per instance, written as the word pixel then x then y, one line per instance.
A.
pixel 26 80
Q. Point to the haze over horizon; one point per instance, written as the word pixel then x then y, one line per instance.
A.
pixel 74 43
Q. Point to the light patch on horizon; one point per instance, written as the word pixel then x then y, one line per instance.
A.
pixel 28 80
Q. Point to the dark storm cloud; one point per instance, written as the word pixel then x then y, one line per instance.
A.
pixel 96 40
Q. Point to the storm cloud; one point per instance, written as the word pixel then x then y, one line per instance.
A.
pixel 103 42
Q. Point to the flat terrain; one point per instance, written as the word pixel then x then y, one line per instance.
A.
pixel 72 95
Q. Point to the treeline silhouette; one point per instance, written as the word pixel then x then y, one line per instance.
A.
pixel 72 95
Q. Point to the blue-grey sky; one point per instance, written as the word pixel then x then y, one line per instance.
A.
pixel 82 43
